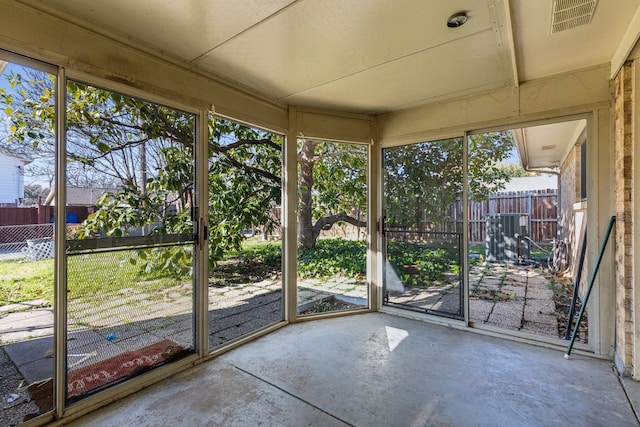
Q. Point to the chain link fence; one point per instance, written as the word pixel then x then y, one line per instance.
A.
pixel 129 306
pixel 32 242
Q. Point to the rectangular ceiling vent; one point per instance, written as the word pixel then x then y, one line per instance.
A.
pixel 568 14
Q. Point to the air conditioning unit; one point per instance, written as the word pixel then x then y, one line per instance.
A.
pixel 507 238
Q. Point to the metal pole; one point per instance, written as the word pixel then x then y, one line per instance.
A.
pixel 591 281
pixel 574 298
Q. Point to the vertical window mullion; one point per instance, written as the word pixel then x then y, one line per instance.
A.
pixel 60 325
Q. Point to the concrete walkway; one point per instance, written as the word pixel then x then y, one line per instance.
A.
pixel 510 297
pixel 380 370
pixel 132 320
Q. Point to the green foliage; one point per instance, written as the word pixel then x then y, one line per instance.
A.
pixel 243 177
pixel 340 179
pixel 486 152
pixel 512 170
pixel 332 187
pixel 322 307
pixel 175 262
pixel 244 183
pixel 423 180
pixel 30 112
pixel 422 264
pixel 107 133
pixel 330 257
pixel 333 257
pixel 269 255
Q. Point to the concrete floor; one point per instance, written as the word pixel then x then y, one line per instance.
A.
pixel 381 370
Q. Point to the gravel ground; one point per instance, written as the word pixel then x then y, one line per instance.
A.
pixel 16 403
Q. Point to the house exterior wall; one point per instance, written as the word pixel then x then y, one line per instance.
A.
pixel 627 356
pixel 572 214
pixel 11 180
pixel 567 192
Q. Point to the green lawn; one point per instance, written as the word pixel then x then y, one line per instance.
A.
pixel 104 273
pixel 88 276
pixel 107 273
pixel 26 281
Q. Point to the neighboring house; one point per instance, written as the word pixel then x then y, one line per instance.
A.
pixel 80 196
pixel 81 201
pixel 560 149
pixel 11 177
pixel 531 183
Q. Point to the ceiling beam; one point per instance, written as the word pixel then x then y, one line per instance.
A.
pixel 500 15
pixel 628 42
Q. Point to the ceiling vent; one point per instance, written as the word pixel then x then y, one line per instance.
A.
pixel 568 14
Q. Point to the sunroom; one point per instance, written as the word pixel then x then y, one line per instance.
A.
pixel 200 175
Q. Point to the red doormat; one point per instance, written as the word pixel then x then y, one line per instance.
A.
pixel 99 375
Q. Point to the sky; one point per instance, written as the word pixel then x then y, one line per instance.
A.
pixel 10 67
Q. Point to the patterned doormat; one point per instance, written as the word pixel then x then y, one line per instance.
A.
pixel 100 375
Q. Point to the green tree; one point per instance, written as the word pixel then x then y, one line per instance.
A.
pixel 423 180
pixel 486 153
pixel 513 170
pixel 146 150
pixel 332 187
pixel 109 135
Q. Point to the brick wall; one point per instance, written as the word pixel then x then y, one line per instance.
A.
pixel 623 140
pixel 568 196
pixel 569 219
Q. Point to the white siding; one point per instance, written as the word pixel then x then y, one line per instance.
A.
pixel 11 179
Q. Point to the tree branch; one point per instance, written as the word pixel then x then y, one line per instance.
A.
pixel 334 154
pixel 328 221
pixel 263 173
pixel 241 142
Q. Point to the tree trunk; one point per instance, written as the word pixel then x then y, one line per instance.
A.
pixel 143 180
pixel 308 232
pixel 306 238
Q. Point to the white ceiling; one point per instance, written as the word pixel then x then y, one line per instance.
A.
pixel 545 146
pixel 367 56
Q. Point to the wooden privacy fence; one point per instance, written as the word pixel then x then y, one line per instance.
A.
pixel 42 214
pixel 541 207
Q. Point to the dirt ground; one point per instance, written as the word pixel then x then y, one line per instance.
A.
pixel 17 404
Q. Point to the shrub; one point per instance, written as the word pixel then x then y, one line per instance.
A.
pixel 422 264
pixel 333 257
